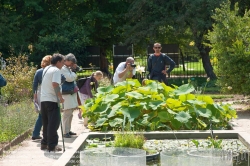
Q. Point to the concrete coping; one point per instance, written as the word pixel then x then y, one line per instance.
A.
pixel 73 151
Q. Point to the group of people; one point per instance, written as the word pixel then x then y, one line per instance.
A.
pixel 157 67
pixel 49 98
pixel 48 93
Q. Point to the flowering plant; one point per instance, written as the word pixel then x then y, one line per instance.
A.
pixel 140 69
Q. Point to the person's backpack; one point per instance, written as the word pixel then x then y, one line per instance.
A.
pixel 3 81
pixel 80 82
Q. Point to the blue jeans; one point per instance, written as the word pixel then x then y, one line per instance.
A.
pixel 38 126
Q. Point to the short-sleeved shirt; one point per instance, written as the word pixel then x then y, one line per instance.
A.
pixel 50 74
pixel 118 70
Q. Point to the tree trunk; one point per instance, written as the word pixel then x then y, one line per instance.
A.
pixel 204 52
pixel 104 63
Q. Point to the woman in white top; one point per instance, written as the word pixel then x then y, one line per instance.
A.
pixel 70 103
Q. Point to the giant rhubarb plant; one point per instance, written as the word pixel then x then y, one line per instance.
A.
pixel 154 106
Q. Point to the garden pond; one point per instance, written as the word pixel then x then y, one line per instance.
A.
pixel 153 145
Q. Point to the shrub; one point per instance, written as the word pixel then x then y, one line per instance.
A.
pixel 229 42
pixel 154 106
pixel 19 76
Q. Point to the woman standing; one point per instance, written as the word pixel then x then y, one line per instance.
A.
pixel 37 93
pixel 70 103
pixel 85 91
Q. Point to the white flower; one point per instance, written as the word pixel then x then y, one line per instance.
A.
pixel 91 83
pixel 208 79
pixel 140 69
pixel 229 88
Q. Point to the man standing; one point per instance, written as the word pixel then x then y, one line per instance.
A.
pixel 50 93
pixel 124 70
pixel 157 64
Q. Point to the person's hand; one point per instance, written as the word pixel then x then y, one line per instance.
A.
pixel 61 100
pixel 164 72
pixel 73 67
pixel 129 67
pixel 35 98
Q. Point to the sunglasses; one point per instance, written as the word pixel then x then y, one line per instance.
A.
pixel 157 47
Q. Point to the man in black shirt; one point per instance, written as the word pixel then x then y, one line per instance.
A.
pixel 157 64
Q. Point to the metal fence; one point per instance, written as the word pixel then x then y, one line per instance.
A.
pixel 188 65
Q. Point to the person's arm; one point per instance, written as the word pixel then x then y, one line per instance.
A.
pixel 171 63
pixel 57 89
pixel 127 71
pixel 149 63
pixel 35 86
pixel 56 81
pixel 69 75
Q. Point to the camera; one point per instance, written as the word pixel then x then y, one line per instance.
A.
pixel 133 65
pixel 77 69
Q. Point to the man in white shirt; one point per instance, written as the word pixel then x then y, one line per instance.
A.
pixel 124 70
pixel 50 94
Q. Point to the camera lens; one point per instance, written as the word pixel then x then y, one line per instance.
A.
pixel 133 65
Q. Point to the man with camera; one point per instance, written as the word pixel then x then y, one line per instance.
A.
pixel 124 70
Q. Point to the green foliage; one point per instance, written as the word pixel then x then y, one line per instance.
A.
pixel 19 76
pixel 154 106
pixel 214 143
pixel 15 119
pixel 229 42
pixel 129 139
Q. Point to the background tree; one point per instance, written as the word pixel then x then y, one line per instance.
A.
pixel 156 20
pixel 230 40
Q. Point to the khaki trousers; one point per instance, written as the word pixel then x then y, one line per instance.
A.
pixel 66 120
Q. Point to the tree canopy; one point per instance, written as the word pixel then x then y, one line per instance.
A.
pixel 37 27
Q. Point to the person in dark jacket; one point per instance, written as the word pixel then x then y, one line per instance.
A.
pixel 157 64
pixel 85 90
pixel 36 91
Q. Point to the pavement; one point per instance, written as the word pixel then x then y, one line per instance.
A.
pixel 28 152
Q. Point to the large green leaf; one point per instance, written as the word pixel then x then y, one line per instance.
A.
pixel 144 90
pixel 101 108
pixel 153 86
pixel 196 102
pixel 164 116
pixel 114 110
pixel 119 89
pixel 184 89
pixel 105 89
pixel 206 99
pixel 182 117
pixel 111 97
pixel 115 122
pixel 171 112
pixel 186 97
pixel 131 113
pixel 134 82
pixel 100 122
pixel 134 95
pixel 155 104
pixel 215 120
pixel 176 124
pixel 204 112
pixel 144 121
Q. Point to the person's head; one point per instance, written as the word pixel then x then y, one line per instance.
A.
pixel 130 60
pixel 70 60
pixel 46 61
pixel 57 60
pixel 98 75
pixel 157 47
